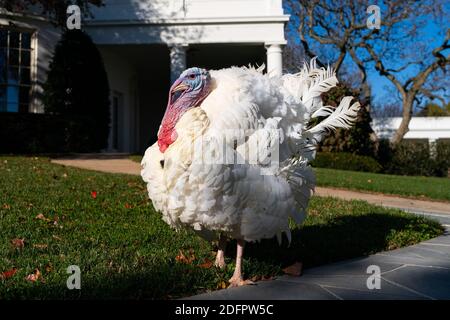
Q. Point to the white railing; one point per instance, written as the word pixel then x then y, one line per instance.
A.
pixel 429 128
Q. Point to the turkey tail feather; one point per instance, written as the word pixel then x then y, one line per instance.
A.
pixel 343 117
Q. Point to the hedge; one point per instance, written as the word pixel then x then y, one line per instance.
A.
pixel 27 133
pixel 346 161
pixel 414 158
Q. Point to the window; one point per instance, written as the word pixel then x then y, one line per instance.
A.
pixel 15 70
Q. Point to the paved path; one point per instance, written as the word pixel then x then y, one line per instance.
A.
pixel 421 271
pixel 105 165
pixel 387 200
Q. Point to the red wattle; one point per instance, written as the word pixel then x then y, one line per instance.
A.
pixel 166 137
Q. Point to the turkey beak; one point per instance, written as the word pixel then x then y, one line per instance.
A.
pixel 180 87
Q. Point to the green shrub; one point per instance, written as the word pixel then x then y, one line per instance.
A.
pixel 442 160
pixel 346 161
pixel 356 140
pixel 77 84
pixel 414 158
pixel 27 133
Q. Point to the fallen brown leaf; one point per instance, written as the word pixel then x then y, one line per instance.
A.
pixel 34 276
pixel 40 246
pixel 207 264
pixel 40 216
pixel 18 243
pixel 8 274
pixel 184 259
pixel 49 268
pixel 6 206
pixel 294 270
pixel 255 278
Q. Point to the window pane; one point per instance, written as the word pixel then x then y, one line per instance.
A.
pixel 2 92
pixel 25 60
pixel 3 65
pixel 13 75
pixel 25 76
pixel 13 99
pixel 14 39
pixel 13 57
pixel 2 98
pixel 26 40
pixel 3 37
pixel 15 71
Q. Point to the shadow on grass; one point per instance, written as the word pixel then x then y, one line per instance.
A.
pixel 164 281
pixel 334 239
pixel 343 237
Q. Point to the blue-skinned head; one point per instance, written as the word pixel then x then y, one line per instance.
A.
pixel 187 92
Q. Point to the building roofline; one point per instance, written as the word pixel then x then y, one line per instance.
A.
pixel 8 14
pixel 190 21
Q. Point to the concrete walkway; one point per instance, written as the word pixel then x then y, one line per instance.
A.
pixel 385 200
pixel 421 271
pixel 118 165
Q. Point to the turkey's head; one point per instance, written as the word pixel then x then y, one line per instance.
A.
pixel 187 92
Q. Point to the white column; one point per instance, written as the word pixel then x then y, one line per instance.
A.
pixel 432 144
pixel 274 59
pixel 177 61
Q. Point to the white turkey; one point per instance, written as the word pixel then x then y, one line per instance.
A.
pixel 231 160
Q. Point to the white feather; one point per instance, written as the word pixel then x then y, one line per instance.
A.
pixel 249 113
pixel 343 117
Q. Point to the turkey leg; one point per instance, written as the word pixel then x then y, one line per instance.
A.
pixel 237 279
pixel 220 257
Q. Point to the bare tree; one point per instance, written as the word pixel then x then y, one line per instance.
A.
pixel 328 30
pixel 396 50
pixel 413 86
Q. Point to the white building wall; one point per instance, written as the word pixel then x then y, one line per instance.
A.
pixel 174 23
pixel 429 128
pixel 158 10
pixel 188 21
pixel 179 24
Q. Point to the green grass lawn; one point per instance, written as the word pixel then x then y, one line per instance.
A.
pixel 125 250
pixel 417 187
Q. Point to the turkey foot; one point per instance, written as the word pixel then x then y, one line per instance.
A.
pixel 220 257
pixel 237 280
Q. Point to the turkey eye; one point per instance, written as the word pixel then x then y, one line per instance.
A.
pixel 192 76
